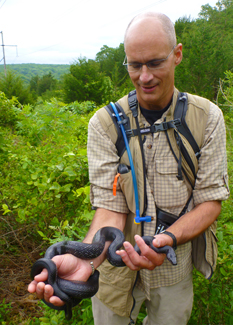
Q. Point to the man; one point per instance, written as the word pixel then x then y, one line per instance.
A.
pixel 152 55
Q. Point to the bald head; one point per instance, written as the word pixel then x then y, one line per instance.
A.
pixel 154 19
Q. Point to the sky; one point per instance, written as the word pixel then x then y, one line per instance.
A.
pixel 60 32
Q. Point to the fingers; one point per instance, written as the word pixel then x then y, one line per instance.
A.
pixel 43 276
pixel 130 257
pixel 38 278
pixel 155 258
pixel 44 291
pixel 162 240
pixel 147 260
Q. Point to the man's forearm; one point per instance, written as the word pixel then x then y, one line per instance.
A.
pixel 195 222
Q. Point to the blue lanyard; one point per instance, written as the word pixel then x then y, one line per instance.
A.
pixel 137 218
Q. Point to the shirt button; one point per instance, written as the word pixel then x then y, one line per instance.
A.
pixel 149 146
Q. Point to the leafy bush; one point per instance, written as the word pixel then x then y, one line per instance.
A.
pixel 46 165
pixel 13 86
pixel 9 111
pixel 213 300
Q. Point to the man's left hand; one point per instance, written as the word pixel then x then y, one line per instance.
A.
pixel 148 259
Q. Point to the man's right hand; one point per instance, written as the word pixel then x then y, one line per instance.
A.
pixel 69 267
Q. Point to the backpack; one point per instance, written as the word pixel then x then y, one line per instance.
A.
pixel 186 151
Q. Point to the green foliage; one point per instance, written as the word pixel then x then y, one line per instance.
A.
pixel 82 315
pixel 111 62
pixel 29 70
pixel 9 111
pixel 5 310
pixel 83 82
pixel 81 108
pixel 213 300
pixel 13 86
pixel 225 94
pixel 44 166
pixel 207 49
pixel 40 85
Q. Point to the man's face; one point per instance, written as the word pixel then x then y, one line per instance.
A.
pixel 154 87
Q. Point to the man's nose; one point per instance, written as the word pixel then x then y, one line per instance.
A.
pixel 145 74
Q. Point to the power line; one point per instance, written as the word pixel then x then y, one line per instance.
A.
pixel 3 51
pixel 3 4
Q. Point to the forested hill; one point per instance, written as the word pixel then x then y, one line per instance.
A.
pixel 29 70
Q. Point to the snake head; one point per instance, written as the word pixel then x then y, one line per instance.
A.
pixel 171 255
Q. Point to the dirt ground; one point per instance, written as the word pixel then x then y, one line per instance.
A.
pixel 16 258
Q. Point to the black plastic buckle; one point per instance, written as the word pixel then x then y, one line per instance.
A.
pixel 129 133
pixel 177 122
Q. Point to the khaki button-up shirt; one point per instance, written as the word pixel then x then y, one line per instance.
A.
pixel 168 193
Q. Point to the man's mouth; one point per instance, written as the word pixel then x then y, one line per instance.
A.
pixel 148 89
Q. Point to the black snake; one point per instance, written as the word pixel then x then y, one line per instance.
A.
pixel 72 292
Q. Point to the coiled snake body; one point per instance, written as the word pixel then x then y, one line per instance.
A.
pixel 72 292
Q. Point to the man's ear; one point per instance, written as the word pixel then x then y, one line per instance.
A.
pixel 178 54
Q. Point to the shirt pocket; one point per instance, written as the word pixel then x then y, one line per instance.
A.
pixel 170 193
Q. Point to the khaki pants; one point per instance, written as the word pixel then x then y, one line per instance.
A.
pixel 168 306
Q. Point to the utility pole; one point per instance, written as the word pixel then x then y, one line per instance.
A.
pixel 3 51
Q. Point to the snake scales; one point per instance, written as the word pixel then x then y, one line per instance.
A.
pixel 72 292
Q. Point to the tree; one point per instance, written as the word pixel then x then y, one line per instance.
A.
pixel 207 49
pixel 46 82
pixel 41 85
pixel 12 85
pixel 111 63
pixel 84 82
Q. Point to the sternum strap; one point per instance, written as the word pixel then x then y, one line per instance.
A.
pixel 152 129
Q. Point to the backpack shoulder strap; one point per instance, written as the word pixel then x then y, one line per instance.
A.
pixel 182 142
pixel 110 124
pixel 179 117
pixel 120 143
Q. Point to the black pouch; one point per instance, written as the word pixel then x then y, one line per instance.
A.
pixel 164 220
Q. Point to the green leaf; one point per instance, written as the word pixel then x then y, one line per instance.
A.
pixel 224 273
pixel 25 165
pixel 22 214
pixel 66 188
pixel 55 187
pixel 34 176
pixel 69 154
pixel 44 320
pixel 69 171
pixel 82 152
pixel 65 223
pixel 34 201
pixel 220 235
pixel 60 166
pixel 42 235
pixel 5 207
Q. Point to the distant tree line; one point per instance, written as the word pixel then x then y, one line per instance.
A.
pixel 29 70
pixel 207 55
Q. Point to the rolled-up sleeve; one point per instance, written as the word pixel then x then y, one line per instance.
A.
pixel 103 162
pixel 212 179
